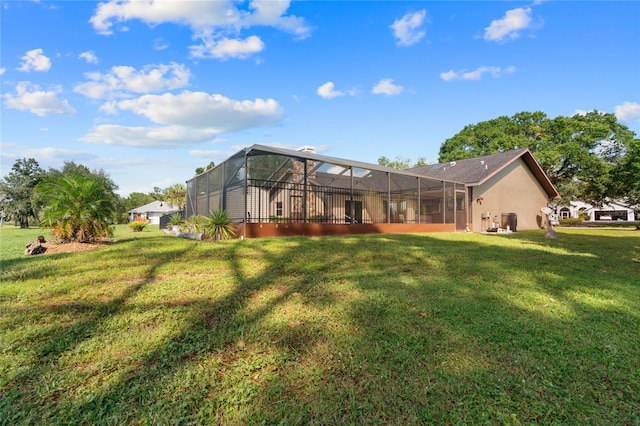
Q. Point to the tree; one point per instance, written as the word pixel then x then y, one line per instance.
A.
pixel 137 199
pixel 626 175
pixel 71 168
pixel 17 190
pixel 577 153
pixel 201 170
pixel 77 208
pixel 176 195
pixel 157 194
pixel 401 163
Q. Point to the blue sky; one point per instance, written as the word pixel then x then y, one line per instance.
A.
pixel 150 90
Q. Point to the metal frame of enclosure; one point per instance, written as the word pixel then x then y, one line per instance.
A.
pixel 271 191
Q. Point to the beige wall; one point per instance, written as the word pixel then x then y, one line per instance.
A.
pixel 514 190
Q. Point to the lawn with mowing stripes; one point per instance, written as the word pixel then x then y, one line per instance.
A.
pixel 448 328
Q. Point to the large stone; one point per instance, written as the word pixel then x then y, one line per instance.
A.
pixel 34 247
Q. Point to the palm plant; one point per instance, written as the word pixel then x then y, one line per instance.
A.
pixel 218 226
pixel 194 223
pixel 176 220
pixel 176 195
pixel 77 208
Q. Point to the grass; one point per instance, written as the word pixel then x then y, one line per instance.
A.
pixel 372 329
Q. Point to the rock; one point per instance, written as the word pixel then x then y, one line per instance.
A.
pixel 34 247
pixel 190 236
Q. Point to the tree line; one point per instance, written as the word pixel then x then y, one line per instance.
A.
pixel 74 199
pixel 588 157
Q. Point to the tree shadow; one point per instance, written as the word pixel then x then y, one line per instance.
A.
pixel 366 329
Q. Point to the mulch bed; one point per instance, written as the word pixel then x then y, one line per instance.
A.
pixel 53 248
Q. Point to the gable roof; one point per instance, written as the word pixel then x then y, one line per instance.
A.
pixel 156 207
pixel 476 171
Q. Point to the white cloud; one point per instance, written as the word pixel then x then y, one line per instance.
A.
pixel 51 155
pixel 30 98
pixel 211 21
pixel 160 44
pixel 408 30
pixel 202 153
pixel 386 87
pixel 514 21
pixel 203 110
pixel 227 48
pixel 2 70
pixel 628 111
pixel 147 137
pixel 110 107
pixel 122 81
pixel 196 14
pixel 495 72
pixel 328 91
pixel 89 56
pixel 185 119
pixel 35 60
pixel 449 75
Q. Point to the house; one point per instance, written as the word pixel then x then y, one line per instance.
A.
pixel 611 210
pixel 272 191
pixel 504 189
pixel 152 212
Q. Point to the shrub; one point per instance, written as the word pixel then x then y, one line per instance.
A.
pixel 218 226
pixel 194 223
pixel 278 219
pixel 137 226
pixel 571 221
pixel 77 208
pixel 175 220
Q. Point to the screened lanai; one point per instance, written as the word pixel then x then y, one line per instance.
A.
pixel 266 185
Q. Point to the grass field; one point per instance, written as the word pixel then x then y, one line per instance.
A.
pixel 373 329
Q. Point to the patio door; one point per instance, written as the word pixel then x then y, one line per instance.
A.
pixel 355 215
pixel 461 211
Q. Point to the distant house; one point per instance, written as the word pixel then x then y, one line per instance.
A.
pixel 152 212
pixel 504 189
pixel 611 210
pixel 271 191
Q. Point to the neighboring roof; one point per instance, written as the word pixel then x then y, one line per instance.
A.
pixel 156 207
pixel 476 171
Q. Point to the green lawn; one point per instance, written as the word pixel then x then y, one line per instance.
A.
pixel 374 329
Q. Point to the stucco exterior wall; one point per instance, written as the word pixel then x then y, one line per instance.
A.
pixel 513 190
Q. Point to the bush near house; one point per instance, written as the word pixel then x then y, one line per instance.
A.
pixel 137 225
pixel 571 221
pixel 218 226
pixel 175 220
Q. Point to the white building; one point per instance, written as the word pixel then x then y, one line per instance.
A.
pixel 152 212
pixel 612 210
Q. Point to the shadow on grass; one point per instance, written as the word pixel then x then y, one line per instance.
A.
pixel 367 329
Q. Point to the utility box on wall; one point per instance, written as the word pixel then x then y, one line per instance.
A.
pixel 509 221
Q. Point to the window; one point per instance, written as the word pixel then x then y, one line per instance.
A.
pixel 460 201
pixel 279 208
pixel 430 205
